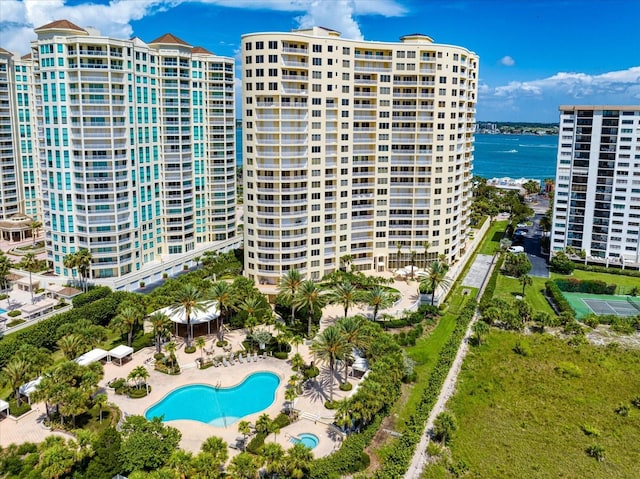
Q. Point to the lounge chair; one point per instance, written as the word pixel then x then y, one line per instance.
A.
pixel 255 357
pixel 231 360
pixel 224 361
pixel 240 358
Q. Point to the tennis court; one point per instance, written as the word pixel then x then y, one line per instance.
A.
pixel 585 304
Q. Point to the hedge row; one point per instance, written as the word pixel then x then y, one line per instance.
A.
pixel 575 285
pixel 485 302
pixel 611 270
pixel 350 457
pixel 399 453
pixel 554 292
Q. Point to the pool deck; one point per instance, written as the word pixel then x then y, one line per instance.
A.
pixel 313 416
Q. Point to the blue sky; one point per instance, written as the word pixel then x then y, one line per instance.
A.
pixel 534 54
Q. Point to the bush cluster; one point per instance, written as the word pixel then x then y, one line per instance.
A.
pixel 553 291
pixel 410 338
pixel 400 451
pixel 611 270
pixel 575 285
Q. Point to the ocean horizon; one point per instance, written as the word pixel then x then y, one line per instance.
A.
pixel 499 156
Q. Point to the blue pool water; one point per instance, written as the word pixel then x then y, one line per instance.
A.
pixel 2 311
pixel 306 439
pixel 218 406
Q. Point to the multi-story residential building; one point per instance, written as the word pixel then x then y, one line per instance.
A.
pixel 354 149
pixel 136 147
pixel 19 185
pixel 597 196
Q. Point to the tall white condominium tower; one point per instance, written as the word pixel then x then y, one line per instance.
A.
pixel 355 152
pixel 137 147
pixel 597 200
pixel 19 182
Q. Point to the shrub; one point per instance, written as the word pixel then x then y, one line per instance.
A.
pixel 567 369
pixel 623 325
pixel 574 285
pixel 158 356
pixel 190 349
pixel 589 430
pixel 602 269
pixel 119 385
pixel 281 354
pixel 222 344
pixel 90 296
pixel 622 410
pixel 517 265
pixel 165 275
pixel 346 386
pixel 596 451
pixel 561 264
pixel 553 291
pixel 256 443
pixel 143 341
pixel 14 313
pixel 142 284
pixel 3 296
pixel 310 372
pixel 636 401
pixel 17 411
pixel 522 348
pixel 331 404
pixel 15 322
pixel 444 426
pixel 137 393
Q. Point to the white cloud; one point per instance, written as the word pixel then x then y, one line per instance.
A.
pixel 538 100
pixel 507 61
pixel 114 18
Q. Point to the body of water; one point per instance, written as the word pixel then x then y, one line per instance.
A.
pixel 515 156
pixel 498 156
pixel 218 406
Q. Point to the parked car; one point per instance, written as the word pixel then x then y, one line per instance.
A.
pixel 516 249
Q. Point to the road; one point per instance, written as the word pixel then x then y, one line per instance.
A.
pixel 531 245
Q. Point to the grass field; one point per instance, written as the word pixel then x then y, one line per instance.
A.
pixel 525 417
pixel 508 288
pixel 494 235
pixel 624 282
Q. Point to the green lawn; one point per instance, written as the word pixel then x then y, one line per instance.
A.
pixel 626 282
pixel 508 288
pixel 494 235
pixel 518 417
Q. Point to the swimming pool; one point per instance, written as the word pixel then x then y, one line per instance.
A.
pixel 2 311
pixel 217 406
pixel 306 439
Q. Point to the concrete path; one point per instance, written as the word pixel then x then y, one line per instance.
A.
pixel 420 457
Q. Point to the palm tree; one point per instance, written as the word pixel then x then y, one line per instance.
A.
pixel 160 323
pixel 263 423
pixel 180 462
pixel 16 372
pixel 29 262
pixel 310 296
pixel 297 340
pixel 223 295
pixel 525 280
pixel 426 245
pixel 200 343
pixel 290 395
pixel 189 299
pixel 378 298
pixel 126 321
pixel 244 428
pixel 298 461
pixel 273 456
pixel 5 269
pixel 35 227
pixel 436 277
pixel 56 458
pixel 399 254
pixel 83 263
pixel 345 261
pixel 288 287
pixel 329 346
pixel 353 332
pixel 243 466
pixel 216 448
pixel 171 349
pixel 413 262
pixel 100 400
pixel 139 374
pixel 70 262
pixel 71 345
pixel 255 308
pixel 345 294
pixel 481 329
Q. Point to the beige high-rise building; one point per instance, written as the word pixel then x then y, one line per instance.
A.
pixel 355 152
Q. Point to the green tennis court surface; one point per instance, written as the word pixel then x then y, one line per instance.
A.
pixel 585 304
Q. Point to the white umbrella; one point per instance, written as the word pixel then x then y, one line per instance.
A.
pixel 400 272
